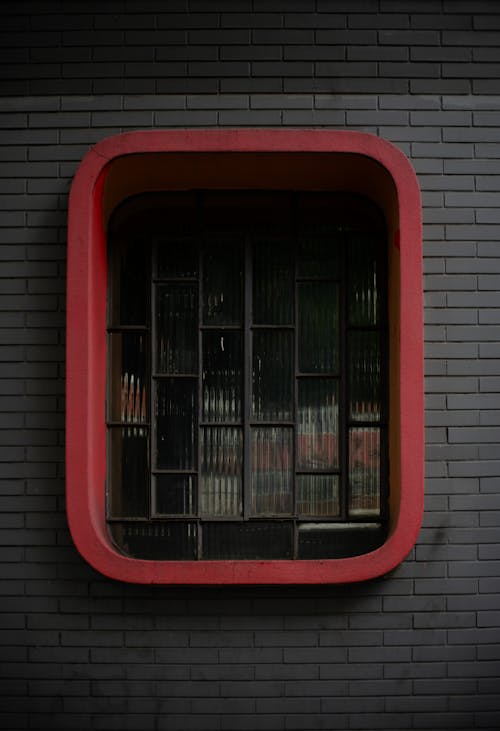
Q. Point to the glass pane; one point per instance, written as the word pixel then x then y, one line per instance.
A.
pixel 129 471
pixel 222 377
pixel 273 287
pixel 221 471
pixel 175 424
pixel 327 540
pixel 177 328
pixel 318 327
pixel 272 471
pixel 364 375
pixel 318 424
pixel 252 540
pixel 129 381
pixel 177 257
pixel 176 494
pixel 130 283
pixel 318 495
pixel 158 541
pixel 272 375
pixel 222 282
pixel 363 301
pixel 318 255
pixel 364 471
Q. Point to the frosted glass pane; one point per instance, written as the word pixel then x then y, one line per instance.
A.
pixel 364 471
pixel 318 495
pixel 177 257
pixel 129 471
pixel 272 375
pixel 222 282
pixel 161 541
pixel 221 471
pixel 176 494
pixel 363 301
pixel 272 471
pixel 250 540
pixel 129 382
pixel 273 284
pixel 364 375
pixel 175 424
pixel 317 424
pixel 318 255
pixel 177 328
pixel 318 327
pixel 222 377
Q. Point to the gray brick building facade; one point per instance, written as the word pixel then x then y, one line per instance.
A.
pixel 417 649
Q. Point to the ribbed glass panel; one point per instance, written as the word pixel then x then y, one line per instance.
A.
pixel 176 494
pixel 318 424
pixel 273 290
pixel 272 375
pixel 129 381
pixel 175 424
pixel 364 370
pixel 222 376
pixel 221 470
pixel 318 255
pixel 272 471
pixel 363 300
pixel 157 541
pixel 222 282
pixel 318 495
pixel 340 540
pixel 128 449
pixel 129 302
pixel 177 333
pixel 177 257
pixel 252 540
pixel 318 327
pixel 364 471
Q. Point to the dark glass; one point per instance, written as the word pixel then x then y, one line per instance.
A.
pixel 364 471
pixel 221 470
pixel 128 449
pixel 160 541
pixel 129 302
pixel 318 254
pixel 176 494
pixel 327 540
pixel 222 376
pixel 251 540
pixel 222 281
pixel 318 327
pixel 129 378
pixel 175 424
pixel 272 375
pixel 273 288
pixel 177 257
pixel 272 471
pixel 177 328
pixel 363 297
pixel 364 373
pixel 318 424
pixel 318 495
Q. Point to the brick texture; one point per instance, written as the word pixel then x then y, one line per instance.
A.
pixel 418 649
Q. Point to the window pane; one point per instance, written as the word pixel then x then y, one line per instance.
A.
pixel 364 471
pixel 222 282
pixel 272 375
pixel 364 375
pixel 318 327
pixel 177 328
pixel 130 283
pixel 363 301
pixel 175 424
pixel 318 255
pixel 318 427
pixel 176 494
pixel 222 377
pixel 129 381
pixel 221 471
pixel 252 540
pixel 318 495
pixel 177 257
pixel 272 471
pixel 128 449
pixel 327 540
pixel 158 541
pixel 273 289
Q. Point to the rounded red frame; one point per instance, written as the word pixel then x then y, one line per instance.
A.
pixel 86 349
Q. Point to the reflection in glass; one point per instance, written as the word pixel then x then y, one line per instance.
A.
pixel 177 334
pixel 364 471
pixel 221 377
pixel 272 471
pixel 364 375
pixel 318 255
pixel 177 257
pixel 318 327
pixel 176 494
pixel 363 301
pixel 129 471
pixel 317 427
pixel 175 424
pixel 222 282
pixel 221 470
pixel 128 377
pixel 273 300
pixel 318 495
pixel 272 375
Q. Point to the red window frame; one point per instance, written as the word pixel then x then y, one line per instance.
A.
pixel 124 165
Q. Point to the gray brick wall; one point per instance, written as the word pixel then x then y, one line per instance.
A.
pixel 419 649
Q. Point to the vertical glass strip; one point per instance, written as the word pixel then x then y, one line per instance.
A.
pixel 272 375
pixel 177 323
pixel 129 381
pixel 363 299
pixel 222 376
pixel 273 290
pixel 318 327
pixel 222 282
pixel 318 495
pixel 317 424
pixel 221 471
pixel 364 471
pixel 129 300
pixel 272 471
pixel 175 424
pixel 129 471
pixel 364 373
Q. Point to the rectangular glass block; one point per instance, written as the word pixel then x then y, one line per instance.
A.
pixel 175 424
pixel 318 495
pixel 128 377
pixel 245 541
pixel 364 471
pixel 318 424
pixel 319 254
pixel 272 471
pixel 177 257
pixel 176 494
pixel 364 374
pixel 221 470
pixel 363 296
pixel 128 454
pixel 177 328
pixel 157 541
pixel 222 376
pixel 273 282
pixel 272 375
pixel 339 540
pixel 318 327
pixel 223 281
pixel 130 282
